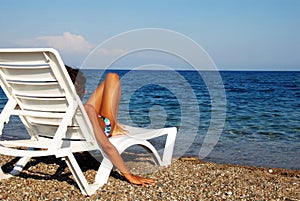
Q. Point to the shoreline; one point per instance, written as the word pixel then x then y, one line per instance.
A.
pixel 187 178
pixel 237 164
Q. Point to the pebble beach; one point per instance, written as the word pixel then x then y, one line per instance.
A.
pixel 188 178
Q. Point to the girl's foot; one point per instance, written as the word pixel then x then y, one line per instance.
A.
pixel 119 130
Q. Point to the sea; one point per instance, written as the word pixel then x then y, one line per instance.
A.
pixel 233 117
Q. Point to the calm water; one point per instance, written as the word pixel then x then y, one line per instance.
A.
pixel 262 113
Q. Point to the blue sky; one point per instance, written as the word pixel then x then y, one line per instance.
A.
pixel 237 34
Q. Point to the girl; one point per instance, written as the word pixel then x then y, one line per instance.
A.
pixel 102 109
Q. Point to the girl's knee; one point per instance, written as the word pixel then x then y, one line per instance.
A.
pixel 112 76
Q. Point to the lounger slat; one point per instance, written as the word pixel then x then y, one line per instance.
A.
pixel 38 114
pixel 44 104
pixel 8 56
pixel 27 74
pixel 24 65
pixel 38 89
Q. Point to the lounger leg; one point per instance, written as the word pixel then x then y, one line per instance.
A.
pixel 5 114
pixel 20 165
pixel 76 171
pixel 86 189
pixel 170 141
pixel 103 172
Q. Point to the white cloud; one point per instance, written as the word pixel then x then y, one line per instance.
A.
pixel 110 52
pixel 67 43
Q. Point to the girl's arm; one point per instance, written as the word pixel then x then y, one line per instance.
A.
pixel 111 151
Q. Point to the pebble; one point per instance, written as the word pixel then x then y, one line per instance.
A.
pixel 229 193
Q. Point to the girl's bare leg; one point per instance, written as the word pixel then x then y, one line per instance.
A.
pixel 110 102
pixel 106 100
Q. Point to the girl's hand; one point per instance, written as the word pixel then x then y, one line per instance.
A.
pixel 139 180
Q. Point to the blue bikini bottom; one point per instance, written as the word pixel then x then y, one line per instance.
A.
pixel 107 128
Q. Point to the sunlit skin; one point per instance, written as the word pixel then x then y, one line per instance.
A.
pixel 105 101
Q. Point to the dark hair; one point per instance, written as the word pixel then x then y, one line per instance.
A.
pixel 78 80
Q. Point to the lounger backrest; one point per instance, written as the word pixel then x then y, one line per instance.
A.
pixel 39 83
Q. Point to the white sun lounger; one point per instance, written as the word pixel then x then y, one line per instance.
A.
pixel 41 93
